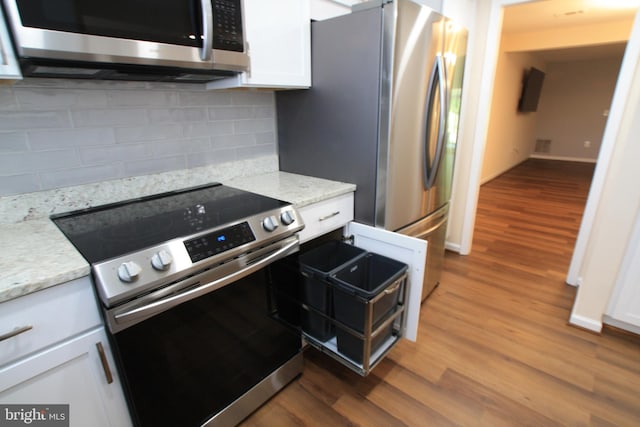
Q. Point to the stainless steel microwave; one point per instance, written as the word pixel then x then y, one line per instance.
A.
pixel 176 40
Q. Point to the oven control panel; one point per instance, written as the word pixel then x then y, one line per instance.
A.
pixel 219 241
pixel 131 275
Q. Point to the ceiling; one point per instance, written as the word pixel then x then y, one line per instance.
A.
pixel 549 14
pixel 545 14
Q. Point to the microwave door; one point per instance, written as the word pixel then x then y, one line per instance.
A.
pixel 183 34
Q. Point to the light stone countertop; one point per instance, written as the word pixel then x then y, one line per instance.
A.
pixel 297 189
pixel 36 255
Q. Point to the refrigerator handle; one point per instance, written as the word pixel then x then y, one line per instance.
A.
pixel 437 81
pixel 438 223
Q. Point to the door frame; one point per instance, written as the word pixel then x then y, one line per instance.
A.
pixel 630 62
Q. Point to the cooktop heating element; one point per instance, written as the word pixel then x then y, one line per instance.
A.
pixel 137 245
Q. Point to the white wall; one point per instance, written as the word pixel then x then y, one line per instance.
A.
pixel 511 134
pixel 616 210
pixel 576 98
pixel 476 102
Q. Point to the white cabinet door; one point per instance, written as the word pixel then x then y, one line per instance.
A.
pixel 9 68
pixel 72 373
pixel 406 249
pixel 279 36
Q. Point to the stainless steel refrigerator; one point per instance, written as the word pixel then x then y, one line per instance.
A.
pixel 382 113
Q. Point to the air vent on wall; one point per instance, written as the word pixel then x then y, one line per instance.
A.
pixel 543 146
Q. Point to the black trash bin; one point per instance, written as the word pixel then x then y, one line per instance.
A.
pixel 369 286
pixel 316 266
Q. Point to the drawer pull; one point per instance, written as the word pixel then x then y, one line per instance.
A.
pixel 331 215
pixel 391 290
pixel 15 332
pixel 105 363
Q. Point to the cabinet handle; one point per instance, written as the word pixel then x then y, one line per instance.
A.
pixel 105 363
pixel 391 290
pixel 331 215
pixel 15 332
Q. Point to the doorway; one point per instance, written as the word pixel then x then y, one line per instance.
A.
pixel 493 26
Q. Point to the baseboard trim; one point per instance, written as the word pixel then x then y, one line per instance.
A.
pixel 619 324
pixel 586 323
pixel 565 159
pixel 577 282
pixel 454 247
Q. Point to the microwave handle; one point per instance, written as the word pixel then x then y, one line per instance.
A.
pixel 207 30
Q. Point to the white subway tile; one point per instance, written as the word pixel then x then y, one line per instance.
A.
pixel 212 157
pixel 47 140
pixel 7 99
pixel 194 130
pixel 168 148
pixel 57 132
pixel 230 112
pixel 54 98
pixel 177 115
pixel 238 140
pixel 21 163
pixel 82 175
pixel 149 166
pixel 114 154
pixel 265 138
pixel 107 117
pixel 206 98
pixel 148 133
pixel 254 125
pixel 141 98
pixel 19 120
pixel 253 98
pixel 18 184
pixel 256 151
pixel 13 142
pixel 264 112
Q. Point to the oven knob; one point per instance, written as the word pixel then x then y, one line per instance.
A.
pixel 128 271
pixel 161 260
pixel 270 223
pixel 287 217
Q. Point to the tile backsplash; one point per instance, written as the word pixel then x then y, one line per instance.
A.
pixel 59 133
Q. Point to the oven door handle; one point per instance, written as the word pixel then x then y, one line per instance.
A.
pixel 138 314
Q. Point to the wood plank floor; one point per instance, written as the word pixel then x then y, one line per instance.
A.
pixel 495 348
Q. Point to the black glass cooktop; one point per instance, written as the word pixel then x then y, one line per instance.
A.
pixel 116 229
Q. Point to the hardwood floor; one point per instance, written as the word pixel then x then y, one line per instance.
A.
pixel 494 347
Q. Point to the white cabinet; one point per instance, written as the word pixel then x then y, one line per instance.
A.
pixel 62 357
pixel 72 373
pixel 9 68
pixel 279 36
pixel 326 9
pixel 323 217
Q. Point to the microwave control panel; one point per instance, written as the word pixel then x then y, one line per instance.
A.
pixel 227 25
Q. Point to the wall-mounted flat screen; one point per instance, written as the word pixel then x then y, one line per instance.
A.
pixel 531 89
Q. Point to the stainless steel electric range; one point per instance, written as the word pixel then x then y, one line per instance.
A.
pixel 182 278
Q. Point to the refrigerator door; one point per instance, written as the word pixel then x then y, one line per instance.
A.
pixel 433 229
pixel 455 48
pixel 410 115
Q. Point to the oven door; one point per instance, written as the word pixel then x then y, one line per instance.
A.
pixel 211 360
pixel 197 34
